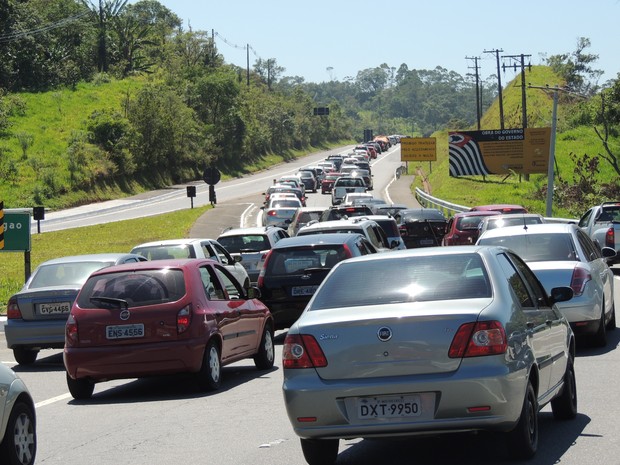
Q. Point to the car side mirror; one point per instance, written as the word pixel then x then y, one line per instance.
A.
pixel 394 244
pixel 237 258
pixel 608 252
pixel 253 293
pixel 561 294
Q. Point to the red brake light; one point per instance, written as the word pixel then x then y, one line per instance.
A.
pixel 71 331
pixel 184 318
pixel 579 279
pixel 272 213
pixel 261 274
pixel 347 251
pixel 610 240
pixel 12 310
pixel 478 339
pixel 302 351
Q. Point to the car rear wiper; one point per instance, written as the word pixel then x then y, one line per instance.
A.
pixel 113 301
pixel 248 250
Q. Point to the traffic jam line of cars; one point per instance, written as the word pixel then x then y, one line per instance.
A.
pixel 391 331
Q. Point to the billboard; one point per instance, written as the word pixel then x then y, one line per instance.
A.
pixel 499 151
pixel 418 149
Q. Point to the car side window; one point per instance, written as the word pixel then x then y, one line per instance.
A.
pixel 585 219
pixel 212 286
pixel 591 251
pixel 535 286
pixel 208 251
pixel 515 281
pixel 223 254
pixel 231 285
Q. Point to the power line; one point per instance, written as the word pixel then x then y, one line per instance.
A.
pixel 13 36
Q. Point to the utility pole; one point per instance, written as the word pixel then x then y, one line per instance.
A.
pixel 521 60
pixel 247 55
pixel 499 87
pixel 478 102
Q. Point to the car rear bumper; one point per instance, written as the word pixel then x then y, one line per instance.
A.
pixel 47 334
pixel 133 361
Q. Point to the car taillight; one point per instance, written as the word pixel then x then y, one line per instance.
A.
pixel 184 318
pixel 610 239
pixel 272 213
pixel 302 351
pixel 478 339
pixel 71 331
pixel 261 274
pixel 579 279
pixel 12 310
pixel 402 229
pixel 347 251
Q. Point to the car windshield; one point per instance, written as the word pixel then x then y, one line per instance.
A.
pixel 400 280
pixel 537 247
pixel 65 274
pixel 145 287
pixel 163 252
pixel 245 243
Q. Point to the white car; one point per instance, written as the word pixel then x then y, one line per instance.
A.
pixel 195 248
pixel 563 255
pixel 18 435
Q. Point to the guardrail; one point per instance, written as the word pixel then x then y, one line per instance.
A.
pixel 449 209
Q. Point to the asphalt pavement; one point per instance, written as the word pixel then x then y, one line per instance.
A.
pixel 227 214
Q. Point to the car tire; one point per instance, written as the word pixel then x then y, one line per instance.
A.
pixel 523 440
pixel 81 388
pixel 599 339
pixel 564 406
pixel 612 321
pixel 265 356
pixel 19 444
pixel 320 451
pixel 210 374
pixel 25 356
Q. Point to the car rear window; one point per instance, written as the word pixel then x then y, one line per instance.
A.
pixel 389 226
pixel 163 252
pixel 537 247
pixel 247 243
pixel 63 274
pixel 297 260
pixel 401 280
pixel 139 288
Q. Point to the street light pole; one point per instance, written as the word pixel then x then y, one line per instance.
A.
pixel 554 119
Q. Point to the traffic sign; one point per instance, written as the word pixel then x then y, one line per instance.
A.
pixel 212 176
pixel 16 231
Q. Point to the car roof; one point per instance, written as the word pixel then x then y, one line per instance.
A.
pixel 429 213
pixel 530 229
pixel 475 213
pixel 359 220
pixel 316 239
pixel 499 207
pixel 250 231
pixel 182 241
pixel 99 257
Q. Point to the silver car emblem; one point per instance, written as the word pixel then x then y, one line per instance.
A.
pixel 125 315
pixel 384 334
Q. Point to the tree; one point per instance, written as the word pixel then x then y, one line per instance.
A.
pixel 576 68
pixel 268 70
pixel 104 14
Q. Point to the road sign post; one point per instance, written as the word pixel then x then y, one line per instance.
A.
pixel 17 235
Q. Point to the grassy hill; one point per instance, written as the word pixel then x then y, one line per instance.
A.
pixel 472 190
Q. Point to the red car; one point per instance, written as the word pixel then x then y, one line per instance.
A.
pixel 462 228
pixel 328 182
pixel 164 317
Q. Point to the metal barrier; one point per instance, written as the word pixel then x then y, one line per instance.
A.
pixel 449 209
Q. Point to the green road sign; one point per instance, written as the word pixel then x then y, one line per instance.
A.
pixel 16 231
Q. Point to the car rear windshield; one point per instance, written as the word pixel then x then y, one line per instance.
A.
pixel 537 247
pixel 300 260
pixel 245 244
pixel 163 252
pixel 64 274
pixel 147 287
pixel 400 280
pixel 389 226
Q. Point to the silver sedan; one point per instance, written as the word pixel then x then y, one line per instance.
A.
pixel 563 255
pixel 437 340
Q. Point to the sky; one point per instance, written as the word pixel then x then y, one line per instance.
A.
pixel 323 40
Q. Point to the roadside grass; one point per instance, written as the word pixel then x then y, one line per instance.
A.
pixel 120 236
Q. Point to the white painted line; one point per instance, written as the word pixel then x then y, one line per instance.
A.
pixel 43 403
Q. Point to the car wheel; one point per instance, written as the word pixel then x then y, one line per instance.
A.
pixel 265 356
pixel 612 321
pixel 25 356
pixel 523 440
pixel 599 339
pixel 19 445
pixel 80 388
pixel 210 374
pixel 564 406
pixel 320 451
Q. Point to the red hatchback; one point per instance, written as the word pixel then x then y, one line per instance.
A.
pixel 462 228
pixel 164 317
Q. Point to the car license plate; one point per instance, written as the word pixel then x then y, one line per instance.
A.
pixel 124 331
pixel 371 408
pixel 299 291
pixel 55 309
pixel 427 242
